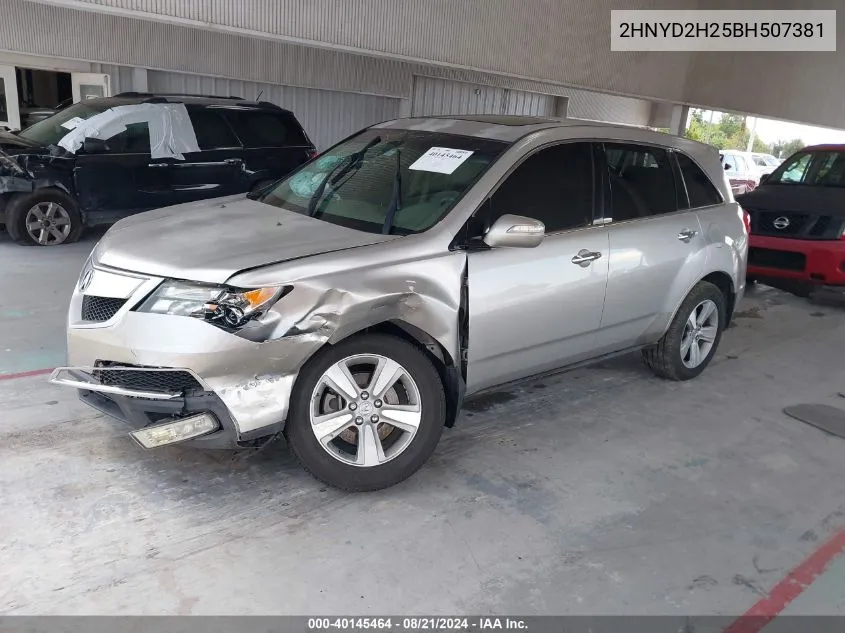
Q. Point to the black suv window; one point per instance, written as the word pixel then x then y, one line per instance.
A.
pixel 211 130
pixel 642 182
pixel 701 192
pixel 554 186
pixel 135 139
pixel 259 128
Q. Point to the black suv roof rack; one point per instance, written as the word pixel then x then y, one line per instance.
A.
pixel 175 94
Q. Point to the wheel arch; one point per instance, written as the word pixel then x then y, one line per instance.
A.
pixel 447 369
pixel 723 281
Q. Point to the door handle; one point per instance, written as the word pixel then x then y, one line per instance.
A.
pixel 584 257
pixel 232 161
pixel 686 235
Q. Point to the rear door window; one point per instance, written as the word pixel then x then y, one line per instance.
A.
pixel 211 130
pixel 135 139
pixel 642 181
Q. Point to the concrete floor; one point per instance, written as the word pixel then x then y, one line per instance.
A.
pixel 599 491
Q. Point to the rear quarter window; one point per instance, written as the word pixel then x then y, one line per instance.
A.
pixel 700 190
pixel 259 128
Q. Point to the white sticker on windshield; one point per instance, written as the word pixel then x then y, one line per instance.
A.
pixel 71 124
pixel 442 160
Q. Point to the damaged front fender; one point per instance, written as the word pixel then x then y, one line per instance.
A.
pixel 15 184
pixel 330 302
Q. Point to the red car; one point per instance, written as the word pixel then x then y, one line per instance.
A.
pixel 798 221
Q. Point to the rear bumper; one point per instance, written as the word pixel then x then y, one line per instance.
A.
pixel 819 262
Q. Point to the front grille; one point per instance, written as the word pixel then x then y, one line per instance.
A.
pixel 798 225
pixel 770 258
pixel 100 308
pixel 820 226
pixel 767 220
pixel 153 379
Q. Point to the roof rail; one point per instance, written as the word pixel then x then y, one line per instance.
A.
pixel 175 94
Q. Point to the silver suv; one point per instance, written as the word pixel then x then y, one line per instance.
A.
pixel 356 303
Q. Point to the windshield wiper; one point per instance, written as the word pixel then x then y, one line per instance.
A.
pixel 347 166
pixel 395 197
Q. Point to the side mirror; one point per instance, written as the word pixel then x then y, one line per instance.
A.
pixel 94 146
pixel 516 231
pixel 764 178
pixel 727 167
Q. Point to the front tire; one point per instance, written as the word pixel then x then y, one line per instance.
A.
pixel 47 217
pixel 366 413
pixel 690 343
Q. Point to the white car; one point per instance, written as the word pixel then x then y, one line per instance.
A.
pixel 765 164
pixel 740 170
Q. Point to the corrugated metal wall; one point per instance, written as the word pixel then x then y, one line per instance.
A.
pixel 433 96
pixel 123 41
pixel 555 41
pixel 596 106
pixel 327 116
pixel 121 77
pixel 496 42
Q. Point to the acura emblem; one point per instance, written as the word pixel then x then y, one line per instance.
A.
pixel 781 223
pixel 85 281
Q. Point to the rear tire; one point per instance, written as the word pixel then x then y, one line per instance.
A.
pixel 46 217
pixel 698 325
pixel 353 419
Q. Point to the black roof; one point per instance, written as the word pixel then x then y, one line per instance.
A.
pixel 127 98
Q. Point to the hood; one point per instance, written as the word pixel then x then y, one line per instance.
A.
pixel 212 240
pixel 13 143
pixel 796 199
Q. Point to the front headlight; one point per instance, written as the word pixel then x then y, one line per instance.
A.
pixel 227 307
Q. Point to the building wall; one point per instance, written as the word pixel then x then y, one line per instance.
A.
pixel 434 96
pixel 333 92
pixel 545 49
pixel 596 106
pixel 561 42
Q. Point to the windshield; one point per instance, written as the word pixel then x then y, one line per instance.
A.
pixel 51 130
pixel 819 169
pixel 387 181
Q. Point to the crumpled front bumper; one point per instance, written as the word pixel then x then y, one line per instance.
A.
pixel 248 383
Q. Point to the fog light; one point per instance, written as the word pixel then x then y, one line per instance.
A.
pixel 176 431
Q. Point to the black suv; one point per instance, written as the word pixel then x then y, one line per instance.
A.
pixel 100 160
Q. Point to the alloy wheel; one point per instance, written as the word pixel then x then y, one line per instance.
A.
pixel 699 335
pixel 48 223
pixel 365 410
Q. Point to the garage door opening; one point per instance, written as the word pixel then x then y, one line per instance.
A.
pixel 41 93
pixel 29 95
